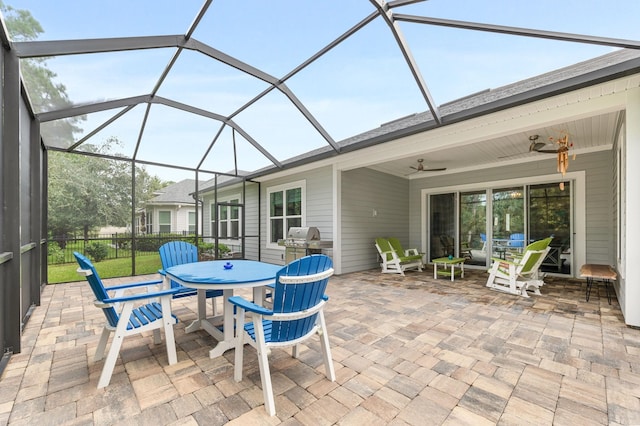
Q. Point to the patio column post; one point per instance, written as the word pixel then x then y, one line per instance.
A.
pixel 10 187
pixel 631 225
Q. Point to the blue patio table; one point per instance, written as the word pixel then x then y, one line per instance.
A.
pixel 225 276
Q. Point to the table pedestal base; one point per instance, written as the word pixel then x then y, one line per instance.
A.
pixel 214 326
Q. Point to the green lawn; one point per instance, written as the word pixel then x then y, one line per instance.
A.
pixel 107 269
pixel 80 246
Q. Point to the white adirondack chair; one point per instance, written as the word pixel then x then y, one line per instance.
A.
pixel 520 275
pixel 394 262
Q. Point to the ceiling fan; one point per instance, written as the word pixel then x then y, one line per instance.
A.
pixel 421 168
pixel 545 148
pixel 537 146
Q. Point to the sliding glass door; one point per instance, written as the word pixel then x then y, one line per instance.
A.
pixel 442 222
pixel 473 227
pixel 508 221
pixel 499 223
pixel 550 216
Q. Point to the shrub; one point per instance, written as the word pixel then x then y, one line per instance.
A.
pixel 210 248
pixel 55 253
pixel 223 249
pixel 97 251
pixel 152 242
pixel 121 240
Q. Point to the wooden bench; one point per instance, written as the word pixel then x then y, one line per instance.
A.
pixel 604 273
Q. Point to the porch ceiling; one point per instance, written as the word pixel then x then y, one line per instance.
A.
pixel 590 134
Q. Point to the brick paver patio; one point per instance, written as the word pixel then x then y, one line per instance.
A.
pixel 407 351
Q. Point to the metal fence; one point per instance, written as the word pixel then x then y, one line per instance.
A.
pixel 109 246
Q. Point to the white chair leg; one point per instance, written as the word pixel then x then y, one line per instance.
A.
pixel 295 351
pixel 239 359
pixel 326 349
pixel 114 350
pixel 102 344
pixel 110 362
pixel 263 361
pixel 491 281
pixel 239 351
pixel 265 377
pixel 169 338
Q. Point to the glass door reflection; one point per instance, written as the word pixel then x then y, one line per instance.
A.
pixel 442 222
pixel 508 222
pixel 473 227
pixel 550 216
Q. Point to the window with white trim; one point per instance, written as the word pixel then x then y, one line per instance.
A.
pixel 192 222
pixel 148 217
pixel 164 221
pixel 228 222
pixel 286 209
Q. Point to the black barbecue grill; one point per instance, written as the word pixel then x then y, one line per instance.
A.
pixel 303 241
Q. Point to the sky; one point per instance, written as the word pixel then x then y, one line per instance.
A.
pixel 357 86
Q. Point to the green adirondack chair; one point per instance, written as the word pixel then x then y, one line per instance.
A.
pixel 520 275
pixel 396 261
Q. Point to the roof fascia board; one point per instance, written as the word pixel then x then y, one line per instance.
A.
pixel 569 85
pixel 575 83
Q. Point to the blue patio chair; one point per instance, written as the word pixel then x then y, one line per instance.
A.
pixel 126 315
pixel 516 240
pixel 177 253
pixel 298 300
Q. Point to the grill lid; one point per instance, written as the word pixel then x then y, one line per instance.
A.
pixel 303 233
pixel 307 237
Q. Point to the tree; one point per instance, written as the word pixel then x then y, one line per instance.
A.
pixel 86 191
pixel 45 93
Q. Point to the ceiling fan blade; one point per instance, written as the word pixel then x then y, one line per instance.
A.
pixel 514 155
pixel 547 151
pixel 426 169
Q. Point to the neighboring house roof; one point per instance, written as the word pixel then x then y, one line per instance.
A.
pixel 177 193
pixel 223 180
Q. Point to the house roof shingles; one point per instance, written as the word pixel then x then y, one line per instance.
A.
pixel 178 193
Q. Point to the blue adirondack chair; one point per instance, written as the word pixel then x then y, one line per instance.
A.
pixel 298 300
pixel 129 314
pixel 177 253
